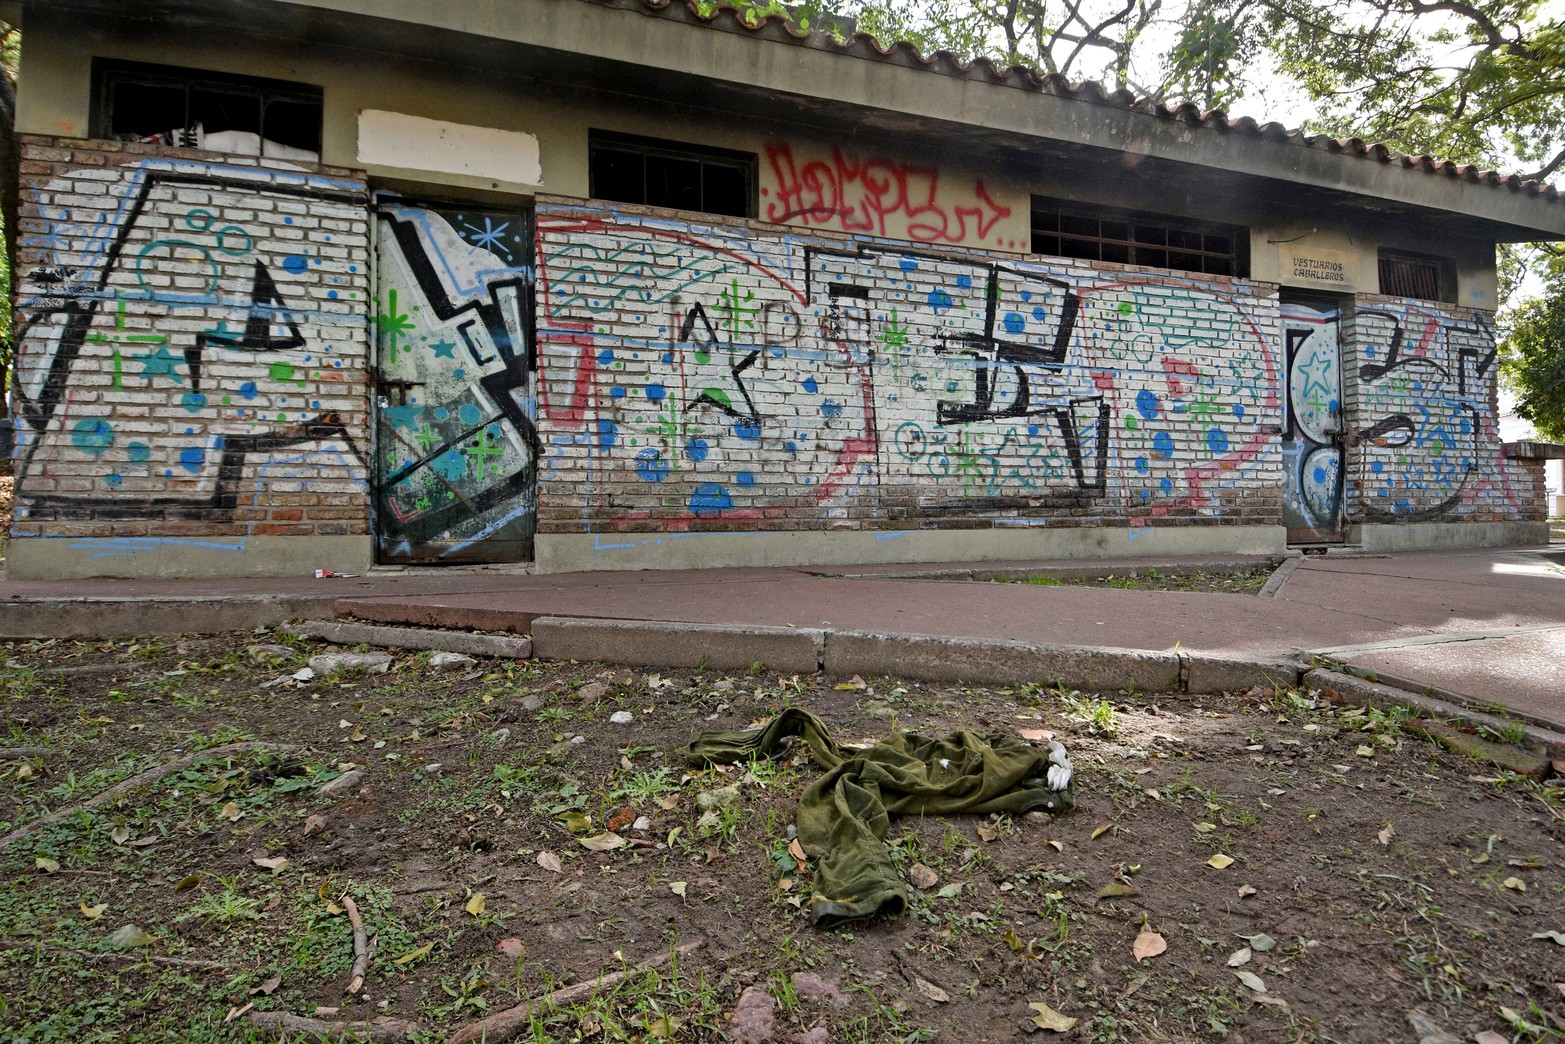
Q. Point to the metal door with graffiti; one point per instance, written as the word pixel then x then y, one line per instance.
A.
pixel 1312 428
pixel 456 448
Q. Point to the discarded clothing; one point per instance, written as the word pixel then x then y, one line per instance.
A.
pixel 843 816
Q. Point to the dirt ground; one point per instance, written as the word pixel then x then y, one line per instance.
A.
pixel 1244 867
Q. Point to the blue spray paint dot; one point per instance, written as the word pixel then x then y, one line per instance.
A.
pixel 1333 406
pixel 608 434
pixel 332 294
pixel 832 409
pixel 810 385
pixel 138 452
pixel 1146 404
pixel 93 436
pixel 450 465
pixel 194 402
pixel 745 478
pixel 616 392
pixel 287 220
pixel 192 459
pixel 939 300
pixel 668 357
pixel 710 499
pixel 1163 444
pixel 441 413
pixel 1142 465
pixel 247 390
pixel 1015 322
pixel 908 264
pixel 1377 467
pixel 747 429
pixel 791 446
pixel 1320 476
pixel 115 480
pixel 1039 314
pixel 1217 440
pixel 1032 430
pixel 656 392
pixel 469 414
pixel 1026 295
pixel 1167 486
pixel 697 450
pixel 650 466
pixel 605 357
pixel 295 264
pixel 965 282
pixel 1238 409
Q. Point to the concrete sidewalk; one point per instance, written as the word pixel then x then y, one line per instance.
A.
pixel 1486 627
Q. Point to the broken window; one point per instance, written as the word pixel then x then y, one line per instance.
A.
pixel 1416 276
pixel 195 109
pixel 671 174
pixel 1132 238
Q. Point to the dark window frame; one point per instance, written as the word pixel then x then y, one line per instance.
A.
pixel 110 77
pixel 1133 237
pixel 1419 277
pixel 635 148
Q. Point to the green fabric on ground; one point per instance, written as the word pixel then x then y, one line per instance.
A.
pixel 843 816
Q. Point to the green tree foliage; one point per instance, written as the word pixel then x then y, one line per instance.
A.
pixel 1535 363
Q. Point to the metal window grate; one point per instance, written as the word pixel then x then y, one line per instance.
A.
pixel 1132 238
pixel 1402 275
pixel 671 174
pixel 136 101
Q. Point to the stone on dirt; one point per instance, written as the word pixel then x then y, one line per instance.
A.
pixel 441 661
pixel 344 662
pixel 342 784
pixel 261 653
pixel 811 986
pixel 719 798
pixel 753 1021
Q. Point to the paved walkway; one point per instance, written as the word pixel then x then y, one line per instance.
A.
pixel 1487 626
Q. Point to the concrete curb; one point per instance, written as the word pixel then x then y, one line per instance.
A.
pixel 344 632
pixel 915 656
pixel 660 644
pixel 119 617
pixel 1358 690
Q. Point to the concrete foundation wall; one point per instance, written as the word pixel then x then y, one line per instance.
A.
pixel 1433 536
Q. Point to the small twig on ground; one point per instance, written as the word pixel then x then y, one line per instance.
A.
pixel 508 1024
pixel 140 779
pixel 361 949
pixel 18 753
pixel 113 955
pixel 379 1029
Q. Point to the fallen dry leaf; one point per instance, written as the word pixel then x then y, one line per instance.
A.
pixel 1259 943
pixel 853 684
pixel 1386 834
pixel 47 865
pixel 129 936
pixel 187 883
pixel 415 954
pixel 1515 884
pixel 678 888
pixel 1239 958
pixel 1558 937
pixel 1252 980
pixel 1049 1019
pixel 797 851
pixel 1148 945
pixel 92 913
pixel 265 988
pixel 1220 861
pixel 550 862
pixel 1115 889
pixel 273 864
pixel 604 842
pixel 1491 1037
pixel 1246 890
pixel 475 905
pixel 230 812
pixel 120 834
pixel 1100 830
pixel 1205 828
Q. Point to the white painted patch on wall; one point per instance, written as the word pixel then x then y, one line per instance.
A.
pixel 394 139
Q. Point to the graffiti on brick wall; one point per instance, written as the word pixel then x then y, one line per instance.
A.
pixel 189 345
pixel 886 197
pixel 456 444
pixel 690 375
pixel 1427 443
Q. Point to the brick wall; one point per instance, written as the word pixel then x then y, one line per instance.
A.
pixel 726 375
pixel 1421 398
pixel 192 348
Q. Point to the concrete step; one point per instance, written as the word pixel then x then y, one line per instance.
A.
pixel 348 632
